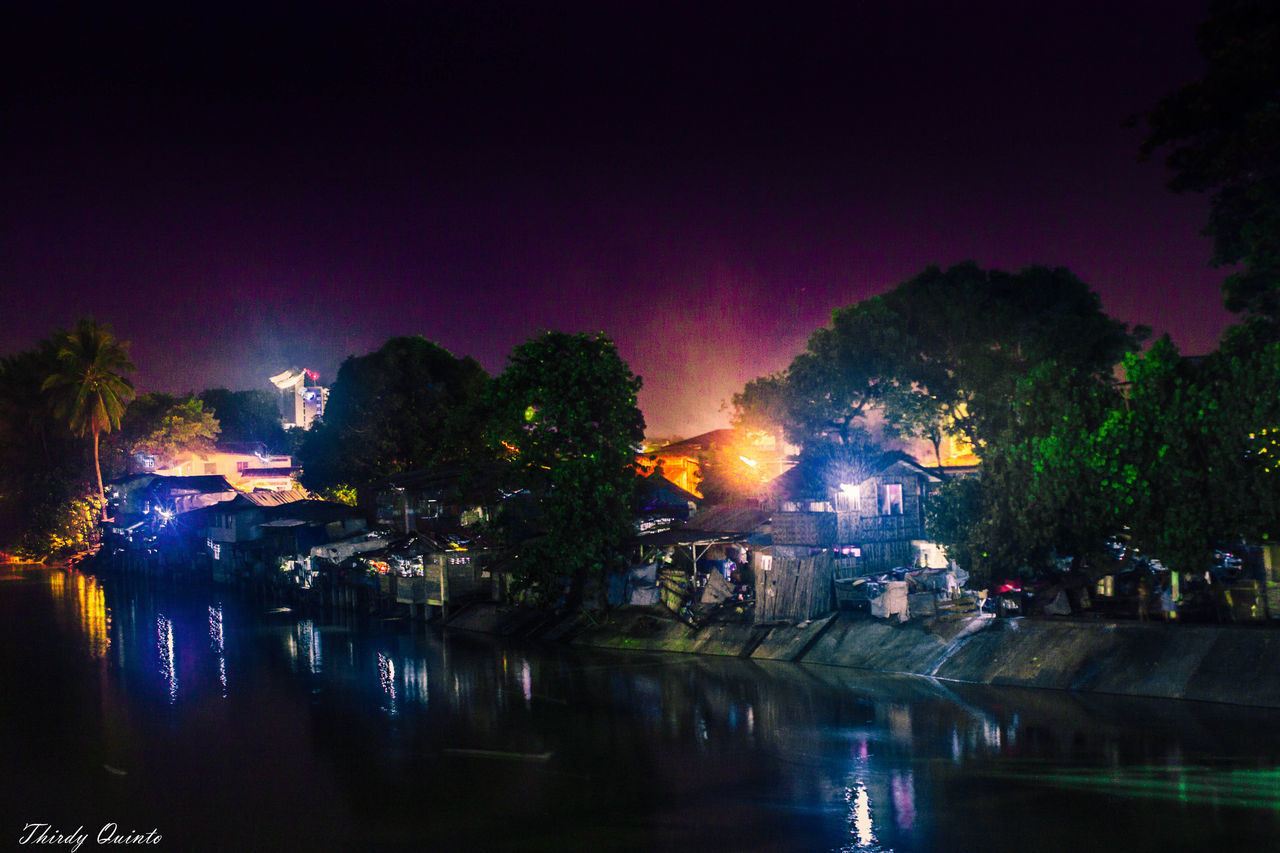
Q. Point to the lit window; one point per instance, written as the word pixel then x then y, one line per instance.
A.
pixel 849 498
pixel 891 499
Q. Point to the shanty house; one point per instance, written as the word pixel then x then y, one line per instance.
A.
pixel 836 521
pixel 872 514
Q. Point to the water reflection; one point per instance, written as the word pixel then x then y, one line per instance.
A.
pixel 164 647
pixel 217 642
pixel 387 675
pixel 654 752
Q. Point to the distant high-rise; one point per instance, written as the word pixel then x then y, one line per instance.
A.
pixel 302 401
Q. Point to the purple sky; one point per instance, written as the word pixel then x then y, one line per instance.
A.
pixel 242 189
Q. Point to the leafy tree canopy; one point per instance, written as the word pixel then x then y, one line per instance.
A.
pixel 1222 137
pixel 89 388
pixel 42 465
pixel 247 416
pixel 943 350
pixel 564 416
pixel 409 405
pixel 164 425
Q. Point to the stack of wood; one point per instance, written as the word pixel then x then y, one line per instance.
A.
pixel 674 588
pixel 957 607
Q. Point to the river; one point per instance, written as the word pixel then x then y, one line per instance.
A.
pixel 200 720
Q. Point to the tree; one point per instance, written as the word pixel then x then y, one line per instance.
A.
pixel 1203 440
pixel 409 405
pixel 163 425
pixel 764 405
pixel 247 416
pixel 975 334
pixel 565 418
pixel 89 388
pixel 1222 137
pixel 940 352
pixel 42 466
pixel 1020 364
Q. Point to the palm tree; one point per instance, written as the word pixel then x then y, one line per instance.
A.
pixel 88 386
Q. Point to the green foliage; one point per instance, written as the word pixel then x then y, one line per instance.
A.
pixel 565 419
pixel 942 351
pixel 954 519
pixel 65 527
pixel 1222 137
pixel 88 388
pixel 407 406
pixel 340 493
pixel 764 405
pixel 247 416
pixel 1057 469
pixel 976 334
pixel 42 465
pixel 165 426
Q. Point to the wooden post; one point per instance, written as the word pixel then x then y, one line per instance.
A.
pixel 444 588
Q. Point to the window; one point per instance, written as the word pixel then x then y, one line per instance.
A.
pixel 891 499
pixel 849 498
pixel 211 467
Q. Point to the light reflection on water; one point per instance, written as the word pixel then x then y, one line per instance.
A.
pixel 217 642
pixel 164 650
pixel 671 751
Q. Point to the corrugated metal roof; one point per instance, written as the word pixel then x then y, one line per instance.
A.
pixel 729 518
pixel 268 498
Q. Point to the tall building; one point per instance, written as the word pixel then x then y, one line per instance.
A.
pixel 302 400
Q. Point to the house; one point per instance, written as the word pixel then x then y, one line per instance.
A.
pixel 722 460
pixel 247 466
pixel 836 521
pixel 148 516
pixel 147 494
pixel 433 500
pixel 873 513
pixel 661 503
pixel 255 531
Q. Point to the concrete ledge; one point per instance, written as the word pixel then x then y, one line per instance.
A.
pixel 789 642
pixel 1237 665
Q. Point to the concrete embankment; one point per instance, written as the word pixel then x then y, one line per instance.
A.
pixel 1232 664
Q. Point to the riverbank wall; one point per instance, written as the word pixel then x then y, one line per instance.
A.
pixel 1237 665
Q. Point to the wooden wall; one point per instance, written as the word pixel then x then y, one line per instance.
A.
pixel 793 589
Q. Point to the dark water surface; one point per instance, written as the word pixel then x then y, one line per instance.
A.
pixel 223 726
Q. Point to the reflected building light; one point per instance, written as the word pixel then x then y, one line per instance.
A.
pixel 526 682
pixel 164 646
pixel 309 642
pixel 862 834
pixel 217 642
pixel 387 676
pixel 900 723
pixel 902 786
pixel 94 616
pixel 957 748
pixel 424 684
pixel 415 679
pixel 751 720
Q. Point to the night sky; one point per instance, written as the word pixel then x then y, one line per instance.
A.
pixel 247 187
